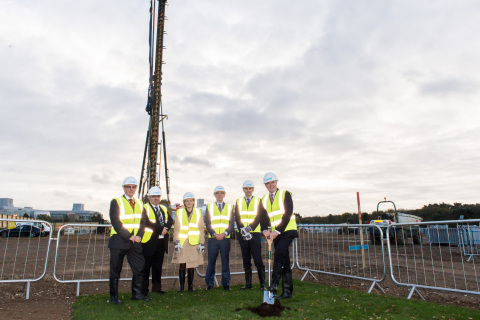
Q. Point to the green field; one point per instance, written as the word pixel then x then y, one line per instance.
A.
pixel 311 301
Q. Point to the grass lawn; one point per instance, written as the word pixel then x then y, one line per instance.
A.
pixel 310 301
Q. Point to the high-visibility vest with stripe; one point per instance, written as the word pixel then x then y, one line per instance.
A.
pixel 276 210
pixel 219 220
pixel 248 214
pixel 129 217
pixel 189 229
pixel 151 215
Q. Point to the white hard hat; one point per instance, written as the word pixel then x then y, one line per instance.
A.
pixel 154 191
pixel 248 183
pixel 218 188
pixel 129 180
pixel 269 176
pixel 188 195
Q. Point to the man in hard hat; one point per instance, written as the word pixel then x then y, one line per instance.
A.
pixel 128 224
pixel 277 205
pixel 155 239
pixel 246 213
pixel 219 223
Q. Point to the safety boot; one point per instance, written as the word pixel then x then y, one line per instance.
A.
pixel 181 280
pixel 190 275
pixel 114 291
pixel 287 286
pixel 261 277
pixel 276 275
pixel 248 279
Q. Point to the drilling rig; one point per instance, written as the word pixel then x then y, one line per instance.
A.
pixel 155 144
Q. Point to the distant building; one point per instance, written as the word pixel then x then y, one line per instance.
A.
pixel 77 214
pixel 7 207
pixel 201 205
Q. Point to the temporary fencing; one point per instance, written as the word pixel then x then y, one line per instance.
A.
pixel 341 250
pixel 421 255
pixel 82 256
pixel 443 260
pixel 24 250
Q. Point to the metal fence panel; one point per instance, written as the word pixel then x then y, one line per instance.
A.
pixel 339 250
pixel 82 255
pixel 24 254
pixel 438 262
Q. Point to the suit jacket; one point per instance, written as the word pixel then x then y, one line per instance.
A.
pixel 121 239
pixel 150 246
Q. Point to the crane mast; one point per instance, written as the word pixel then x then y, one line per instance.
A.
pixel 151 166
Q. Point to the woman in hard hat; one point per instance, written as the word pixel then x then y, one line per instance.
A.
pixel 189 240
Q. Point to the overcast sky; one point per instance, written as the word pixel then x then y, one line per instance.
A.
pixel 334 97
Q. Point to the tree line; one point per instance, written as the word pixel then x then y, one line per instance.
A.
pixel 432 212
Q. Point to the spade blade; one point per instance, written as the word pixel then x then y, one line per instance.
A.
pixel 268 297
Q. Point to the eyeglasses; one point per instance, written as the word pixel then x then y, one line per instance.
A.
pixel 130 187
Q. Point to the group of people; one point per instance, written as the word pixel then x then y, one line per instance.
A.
pixel 140 232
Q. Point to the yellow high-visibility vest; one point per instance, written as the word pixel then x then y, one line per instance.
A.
pixel 219 220
pixel 276 210
pixel 189 229
pixel 248 214
pixel 130 217
pixel 151 215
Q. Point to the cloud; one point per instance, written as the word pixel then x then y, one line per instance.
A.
pixel 334 97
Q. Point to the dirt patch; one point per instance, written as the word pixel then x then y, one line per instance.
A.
pixel 268 310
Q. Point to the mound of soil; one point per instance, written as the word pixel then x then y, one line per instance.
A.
pixel 268 310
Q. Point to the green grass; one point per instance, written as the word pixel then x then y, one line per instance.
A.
pixel 310 301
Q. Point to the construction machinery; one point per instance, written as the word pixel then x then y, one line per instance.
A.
pixel 155 144
pixel 397 234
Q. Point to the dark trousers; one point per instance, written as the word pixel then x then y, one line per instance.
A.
pixel 251 249
pixel 214 246
pixel 282 253
pixel 154 262
pixel 135 260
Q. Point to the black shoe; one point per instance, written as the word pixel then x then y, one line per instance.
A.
pixel 156 288
pixel 285 295
pixel 114 299
pixel 209 288
pixel 227 288
pixel 262 287
pixel 245 288
pixel 141 298
pixel 159 291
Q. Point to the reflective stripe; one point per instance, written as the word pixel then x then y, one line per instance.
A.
pixel 220 225
pixel 131 225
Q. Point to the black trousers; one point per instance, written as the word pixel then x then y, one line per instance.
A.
pixel 251 249
pixel 135 260
pixel 282 249
pixel 154 262
pixel 134 257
